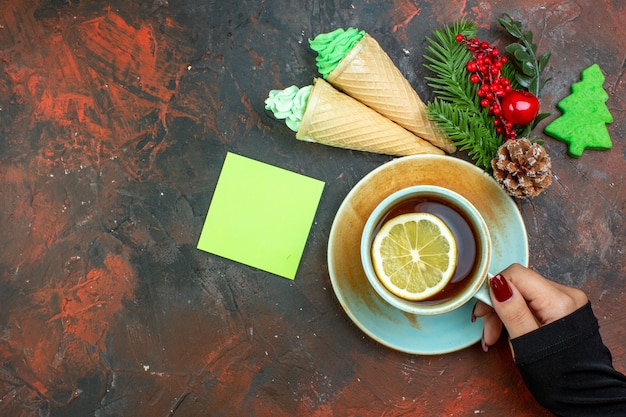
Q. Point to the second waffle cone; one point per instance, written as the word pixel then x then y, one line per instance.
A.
pixel 336 119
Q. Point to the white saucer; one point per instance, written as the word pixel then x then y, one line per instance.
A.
pixel 425 335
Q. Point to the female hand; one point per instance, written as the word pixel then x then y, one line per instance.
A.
pixel 524 301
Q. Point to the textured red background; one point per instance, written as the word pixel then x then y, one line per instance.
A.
pixel 115 118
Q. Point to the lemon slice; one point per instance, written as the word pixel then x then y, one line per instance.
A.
pixel 414 255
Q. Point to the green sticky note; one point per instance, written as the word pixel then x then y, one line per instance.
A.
pixel 260 215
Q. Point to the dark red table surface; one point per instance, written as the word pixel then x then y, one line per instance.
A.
pixel 115 118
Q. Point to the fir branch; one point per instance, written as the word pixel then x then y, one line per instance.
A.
pixel 510 73
pixel 447 59
pixel 457 110
pixel 471 129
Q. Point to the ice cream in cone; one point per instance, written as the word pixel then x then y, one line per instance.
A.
pixel 333 118
pixel 355 63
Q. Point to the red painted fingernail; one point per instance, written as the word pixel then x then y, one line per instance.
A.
pixel 474 314
pixel 483 345
pixel 501 289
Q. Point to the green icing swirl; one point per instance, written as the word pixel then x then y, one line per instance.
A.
pixel 289 104
pixel 331 47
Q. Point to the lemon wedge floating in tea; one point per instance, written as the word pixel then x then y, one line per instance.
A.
pixel 414 255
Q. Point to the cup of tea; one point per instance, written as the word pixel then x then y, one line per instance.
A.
pixel 471 236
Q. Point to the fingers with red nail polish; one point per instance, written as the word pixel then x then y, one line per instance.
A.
pixel 524 300
pixel 501 288
pixel 492 325
pixel 511 307
pixel 484 346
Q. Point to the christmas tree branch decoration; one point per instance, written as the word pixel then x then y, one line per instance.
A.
pixel 456 109
pixel 482 101
pixel 585 115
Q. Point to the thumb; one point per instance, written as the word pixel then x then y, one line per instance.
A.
pixel 511 307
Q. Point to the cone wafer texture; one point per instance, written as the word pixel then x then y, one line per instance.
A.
pixel 336 119
pixel 370 76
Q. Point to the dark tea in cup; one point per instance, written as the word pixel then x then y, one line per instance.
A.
pixel 459 225
pixel 470 234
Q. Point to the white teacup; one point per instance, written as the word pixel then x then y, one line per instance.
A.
pixel 473 286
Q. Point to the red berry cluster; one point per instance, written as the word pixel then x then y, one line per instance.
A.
pixel 486 69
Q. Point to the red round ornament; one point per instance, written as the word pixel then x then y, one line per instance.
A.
pixel 520 107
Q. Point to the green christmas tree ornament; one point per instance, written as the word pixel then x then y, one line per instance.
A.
pixel 582 124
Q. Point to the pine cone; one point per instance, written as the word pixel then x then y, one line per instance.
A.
pixel 522 168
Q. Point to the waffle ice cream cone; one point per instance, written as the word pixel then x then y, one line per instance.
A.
pixel 336 119
pixel 370 76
